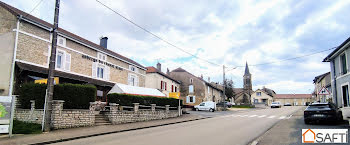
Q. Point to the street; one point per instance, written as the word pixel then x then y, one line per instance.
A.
pixel 236 128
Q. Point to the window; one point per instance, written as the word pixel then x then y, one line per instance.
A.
pixel 190 88
pixel 191 80
pixel 63 60
pixel 343 65
pixel 202 104
pixel 190 99
pixel 133 80
pixel 132 68
pixel 258 93
pixel 61 41
pixel 101 56
pixel 100 71
pixel 345 94
pixel 175 89
pixel 163 85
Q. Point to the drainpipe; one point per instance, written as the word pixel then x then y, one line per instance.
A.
pixel 335 83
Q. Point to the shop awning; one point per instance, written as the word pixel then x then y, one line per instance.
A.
pixel 33 68
pixel 126 89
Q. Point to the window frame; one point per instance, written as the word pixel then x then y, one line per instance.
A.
pixel 348 99
pixel 101 56
pixel 258 93
pixel 64 40
pixel 341 64
pixel 103 68
pixel 133 68
pixel 62 59
pixel 136 80
pixel 189 89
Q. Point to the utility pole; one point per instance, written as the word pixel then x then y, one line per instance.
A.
pixel 50 79
pixel 224 82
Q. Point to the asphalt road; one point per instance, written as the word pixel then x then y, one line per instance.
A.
pixel 236 128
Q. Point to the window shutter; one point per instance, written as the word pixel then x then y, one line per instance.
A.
pixel 107 73
pixel 94 69
pixel 187 99
pixel 161 85
pixel 165 85
pixel 137 81
pixel 67 62
pixel 172 88
pixel 194 99
pixel 129 79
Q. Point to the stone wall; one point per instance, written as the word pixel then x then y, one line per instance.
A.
pixel 60 118
pixel 116 116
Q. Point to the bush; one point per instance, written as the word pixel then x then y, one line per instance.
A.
pixel 20 127
pixel 76 96
pixel 128 100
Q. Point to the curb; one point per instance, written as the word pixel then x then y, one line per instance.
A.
pixel 111 132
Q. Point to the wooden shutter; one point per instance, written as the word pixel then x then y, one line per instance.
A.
pixel 107 73
pixel 165 85
pixel 187 99
pixel 67 62
pixel 94 69
pixel 172 88
pixel 161 85
pixel 136 81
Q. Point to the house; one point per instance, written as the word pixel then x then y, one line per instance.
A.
pixel 25 43
pixel 294 99
pixel 243 95
pixel 263 96
pixel 156 79
pixel 194 90
pixel 340 76
pixel 323 82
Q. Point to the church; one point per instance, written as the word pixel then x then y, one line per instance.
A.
pixel 242 95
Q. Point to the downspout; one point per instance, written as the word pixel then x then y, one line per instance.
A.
pixel 335 83
pixel 14 58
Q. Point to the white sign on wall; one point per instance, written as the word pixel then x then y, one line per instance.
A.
pixel 5 109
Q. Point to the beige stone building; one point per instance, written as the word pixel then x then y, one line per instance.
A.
pixel 294 99
pixel 263 96
pixel 156 79
pixel 323 83
pixel 25 50
pixel 194 90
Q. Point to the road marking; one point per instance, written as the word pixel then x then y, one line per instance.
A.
pixel 245 115
pixel 289 116
pixel 261 116
pixel 253 115
pixel 282 117
pixel 271 117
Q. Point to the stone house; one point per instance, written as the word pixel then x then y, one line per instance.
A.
pixel 194 90
pixel 25 43
pixel 294 99
pixel 156 79
pixel 340 76
pixel 262 96
pixel 323 81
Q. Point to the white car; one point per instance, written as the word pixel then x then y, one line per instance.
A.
pixel 208 106
pixel 276 105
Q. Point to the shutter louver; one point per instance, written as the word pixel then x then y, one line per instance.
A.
pixel 67 62
pixel 94 69
pixel 107 73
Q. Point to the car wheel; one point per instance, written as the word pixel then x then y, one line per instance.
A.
pixel 211 110
pixel 197 109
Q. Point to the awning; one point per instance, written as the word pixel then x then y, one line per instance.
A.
pixel 126 89
pixel 43 70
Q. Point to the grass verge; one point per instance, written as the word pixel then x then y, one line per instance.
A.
pixel 21 127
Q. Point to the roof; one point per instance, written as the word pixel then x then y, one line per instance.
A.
pixel 207 83
pixel 43 70
pixel 127 89
pixel 246 72
pixel 293 96
pixel 320 77
pixel 38 21
pixel 329 57
pixel 152 69
pixel 268 91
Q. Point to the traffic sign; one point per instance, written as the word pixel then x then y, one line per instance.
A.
pixel 324 91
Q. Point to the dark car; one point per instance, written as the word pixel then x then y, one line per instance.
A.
pixel 316 112
pixel 221 104
pixel 287 104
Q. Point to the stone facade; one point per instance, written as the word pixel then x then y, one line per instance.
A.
pixel 323 81
pixel 154 79
pixel 117 116
pixel 29 115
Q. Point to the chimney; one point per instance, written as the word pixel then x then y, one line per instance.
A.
pixel 167 71
pixel 159 66
pixel 209 79
pixel 103 42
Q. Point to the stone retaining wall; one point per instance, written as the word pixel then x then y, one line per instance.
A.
pixel 116 116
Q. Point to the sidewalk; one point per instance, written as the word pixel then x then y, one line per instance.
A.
pixel 288 131
pixel 75 133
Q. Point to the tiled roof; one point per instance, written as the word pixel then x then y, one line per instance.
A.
pixel 293 96
pixel 320 77
pixel 152 69
pixel 18 12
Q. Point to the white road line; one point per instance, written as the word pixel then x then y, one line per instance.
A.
pixel 261 116
pixel 271 117
pixel 289 116
pixel 245 115
pixel 253 115
pixel 282 117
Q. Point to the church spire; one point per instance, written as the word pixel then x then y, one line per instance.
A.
pixel 246 69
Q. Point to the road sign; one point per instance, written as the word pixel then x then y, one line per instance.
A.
pixel 324 91
pixel 175 95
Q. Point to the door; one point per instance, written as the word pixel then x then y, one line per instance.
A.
pixel 345 94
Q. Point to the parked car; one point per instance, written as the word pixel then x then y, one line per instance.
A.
pixel 276 105
pixel 228 104
pixel 287 104
pixel 208 106
pixel 322 112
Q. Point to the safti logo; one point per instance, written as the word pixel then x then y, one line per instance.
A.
pixel 324 135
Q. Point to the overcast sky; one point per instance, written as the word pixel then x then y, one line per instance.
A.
pixel 224 32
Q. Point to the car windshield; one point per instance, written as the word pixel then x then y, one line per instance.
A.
pixel 319 106
pixel 275 103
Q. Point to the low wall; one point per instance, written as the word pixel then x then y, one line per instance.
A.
pixel 60 118
pixel 116 116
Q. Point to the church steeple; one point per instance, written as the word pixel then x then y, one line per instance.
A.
pixel 247 80
pixel 246 72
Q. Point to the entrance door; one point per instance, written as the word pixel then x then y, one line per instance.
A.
pixel 345 94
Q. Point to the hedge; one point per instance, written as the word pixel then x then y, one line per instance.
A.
pixel 76 96
pixel 128 100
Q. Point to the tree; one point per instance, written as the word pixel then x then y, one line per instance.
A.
pixel 229 89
